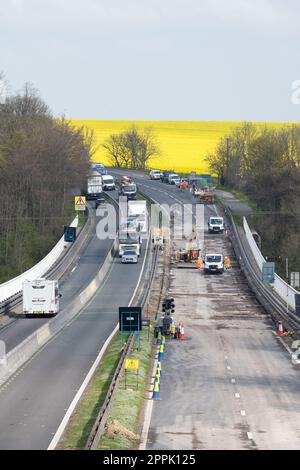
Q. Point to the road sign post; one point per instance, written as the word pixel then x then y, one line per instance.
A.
pixel 130 320
pixel 80 203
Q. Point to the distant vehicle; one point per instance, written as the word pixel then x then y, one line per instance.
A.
pixel 128 190
pixel 165 176
pixel 213 263
pixel 94 186
pixel 155 174
pixel 173 178
pixel 99 201
pixel 108 182
pixel 138 209
pixel 216 225
pixel 40 297
pixel 129 256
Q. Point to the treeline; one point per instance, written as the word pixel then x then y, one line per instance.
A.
pixel 42 161
pixel 264 163
pixel 131 149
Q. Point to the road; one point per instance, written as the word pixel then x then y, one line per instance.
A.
pixel 80 275
pixel 230 384
pixel 34 401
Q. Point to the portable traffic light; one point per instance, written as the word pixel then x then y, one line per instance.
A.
pixel 168 306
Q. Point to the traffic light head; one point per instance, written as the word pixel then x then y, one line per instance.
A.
pixel 168 305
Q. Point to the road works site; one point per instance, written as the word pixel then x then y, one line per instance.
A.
pixel 224 381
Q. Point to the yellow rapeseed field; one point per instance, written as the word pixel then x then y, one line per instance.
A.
pixel 183 144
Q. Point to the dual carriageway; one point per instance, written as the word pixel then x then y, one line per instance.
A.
pixel 231 384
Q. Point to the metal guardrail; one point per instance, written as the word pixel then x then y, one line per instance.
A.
pixel 273 304
pixel 103 414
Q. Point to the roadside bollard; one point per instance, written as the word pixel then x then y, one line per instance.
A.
pixel 157 375
pixel 163 340
pixel 161 352
pixel 280 329
pixel 159 367
pixel 158 341
pixel 156 389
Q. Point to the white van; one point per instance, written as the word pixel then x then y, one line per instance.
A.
pixel 155 174
pixel 108 182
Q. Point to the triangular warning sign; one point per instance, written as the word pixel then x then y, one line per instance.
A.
pixel 79 201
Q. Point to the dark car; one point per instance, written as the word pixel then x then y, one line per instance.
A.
pixel 165 176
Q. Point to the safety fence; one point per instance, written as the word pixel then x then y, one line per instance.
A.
pixel 284 290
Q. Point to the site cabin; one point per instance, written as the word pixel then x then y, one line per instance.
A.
pixel 40 297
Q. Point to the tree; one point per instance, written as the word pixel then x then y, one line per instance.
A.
pixel 131 148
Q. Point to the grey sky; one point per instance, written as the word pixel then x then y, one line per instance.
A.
pixel 156 59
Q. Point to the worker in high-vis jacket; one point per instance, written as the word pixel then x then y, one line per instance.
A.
pixel 199 264
pixel 227 263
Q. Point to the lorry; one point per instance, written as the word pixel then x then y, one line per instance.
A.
pixel 40 297
pixel 94 186
pixel 127 188
pixel 213 263
pixel 129 242
pixel 216 225
pixel 138 210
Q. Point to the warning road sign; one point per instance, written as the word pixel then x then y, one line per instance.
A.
pixel 80 203
pixel 132 364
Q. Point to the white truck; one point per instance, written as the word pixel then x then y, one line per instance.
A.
pixel 94 186
pixel 40 297
pixel 129 242
pixel 138 210
pixel 216 225
pixel 213 263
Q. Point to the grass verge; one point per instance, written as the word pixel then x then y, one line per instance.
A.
pixel 82 420
pixel 128 402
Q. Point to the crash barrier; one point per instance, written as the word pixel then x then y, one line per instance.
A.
pixel 21 353
pixel 13 286
pixel 284 290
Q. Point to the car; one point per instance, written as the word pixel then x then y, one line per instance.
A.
pixel 130 256
pixel 173 178
pixel 155 174
pixel 108 182
pixel 165 176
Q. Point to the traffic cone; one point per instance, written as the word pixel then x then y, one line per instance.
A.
pixel 181 333
pixel 156 389
pixel 280 329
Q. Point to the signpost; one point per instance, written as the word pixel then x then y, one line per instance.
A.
pixel 295 280
pixel 132 364
pixel 130 320
pixel 80 203
pixel 69 233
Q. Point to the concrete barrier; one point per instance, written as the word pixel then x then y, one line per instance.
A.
pixel 13 286
pixel 284 290
pixel 25 350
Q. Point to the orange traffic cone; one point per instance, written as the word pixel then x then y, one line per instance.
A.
pixel 280 329
pixel 181 333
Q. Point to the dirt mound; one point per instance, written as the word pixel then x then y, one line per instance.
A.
pixel 115 429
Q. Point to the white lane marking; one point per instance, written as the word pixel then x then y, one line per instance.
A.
pixel 250 435
pixel 233 381
pixel 228 368
pixel 243 412
pixel 74 269
pixel 237 395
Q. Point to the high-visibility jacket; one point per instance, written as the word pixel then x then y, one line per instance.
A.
pixel 199 264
